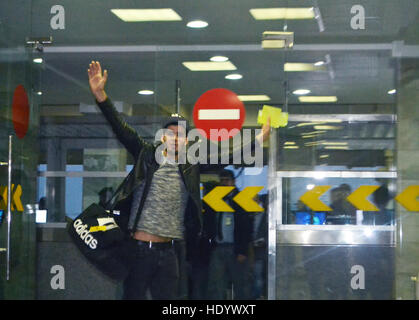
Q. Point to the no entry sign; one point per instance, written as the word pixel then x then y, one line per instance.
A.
pixel 20 111
pixel 221 110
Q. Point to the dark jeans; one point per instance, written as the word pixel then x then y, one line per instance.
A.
pixel 154 268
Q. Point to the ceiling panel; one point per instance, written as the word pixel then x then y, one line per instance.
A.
pixel 357 77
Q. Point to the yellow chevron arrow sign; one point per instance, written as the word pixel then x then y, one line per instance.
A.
pixel 311 198
pixel 359 198
pixel 244 199
pixel 214 199
pixel 16 201
pixel 408 198
pixel 3 195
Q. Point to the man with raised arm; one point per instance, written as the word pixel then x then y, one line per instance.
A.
pixel 161 200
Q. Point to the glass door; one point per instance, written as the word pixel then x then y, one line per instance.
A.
pixel 18 155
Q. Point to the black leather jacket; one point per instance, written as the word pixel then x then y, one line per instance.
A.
pixel 243 225
pixel 144 168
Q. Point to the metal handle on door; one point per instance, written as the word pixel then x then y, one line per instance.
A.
pixel 9 210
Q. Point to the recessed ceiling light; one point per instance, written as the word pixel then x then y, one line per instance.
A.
pixel 219 59
pixel 318 99
pixel 282 13
pixel 146 92
pixel 38 60
pixel 291 147
pixel 143 15
pixel 319 63
pixel 393 91
pixel 197 24
pixel 39 93
pixel 259 97
pixel 300 67
pixel 301 92
pixel 288 143
pixel 209 65
pixel 233 76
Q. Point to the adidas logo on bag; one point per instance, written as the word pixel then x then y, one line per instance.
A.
pixel 84 234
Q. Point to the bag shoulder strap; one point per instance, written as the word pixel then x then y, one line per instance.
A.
pixel 109 205
pixel 147 185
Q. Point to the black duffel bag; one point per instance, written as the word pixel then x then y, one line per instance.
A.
pixel 101 241
pixel 101 236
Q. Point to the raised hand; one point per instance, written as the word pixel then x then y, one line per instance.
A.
pixel 97 81
pixel 266 130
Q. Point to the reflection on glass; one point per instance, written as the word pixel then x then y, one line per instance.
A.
pixel 342 211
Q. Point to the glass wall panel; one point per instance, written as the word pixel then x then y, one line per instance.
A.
pixel 327 204
pixel 19 125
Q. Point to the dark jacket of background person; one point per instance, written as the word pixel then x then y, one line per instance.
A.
pixel 243 225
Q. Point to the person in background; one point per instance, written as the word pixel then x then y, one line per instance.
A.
pixel 343 211
pixel 199 275
pixel 260 240
pixel 230 234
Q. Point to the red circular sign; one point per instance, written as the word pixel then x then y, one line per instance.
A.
pixel 20 111
pixel 218 112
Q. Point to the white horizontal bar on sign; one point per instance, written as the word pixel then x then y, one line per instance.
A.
pixel 219 114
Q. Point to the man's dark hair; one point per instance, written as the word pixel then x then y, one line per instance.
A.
pixel 226 174
pixel 345 187
pixel 176 121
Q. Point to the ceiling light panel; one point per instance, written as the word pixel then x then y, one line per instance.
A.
pixel 328 127
pixel 209 65
pixel 277 39
pixel 302 67
pixel 259 97
pixel 334 143
pixel 336 148
pixel 318 99
pixel 282 13
pixel 144 15
pixel 273 44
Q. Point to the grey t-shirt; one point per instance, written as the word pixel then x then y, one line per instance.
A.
pixel 164 207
